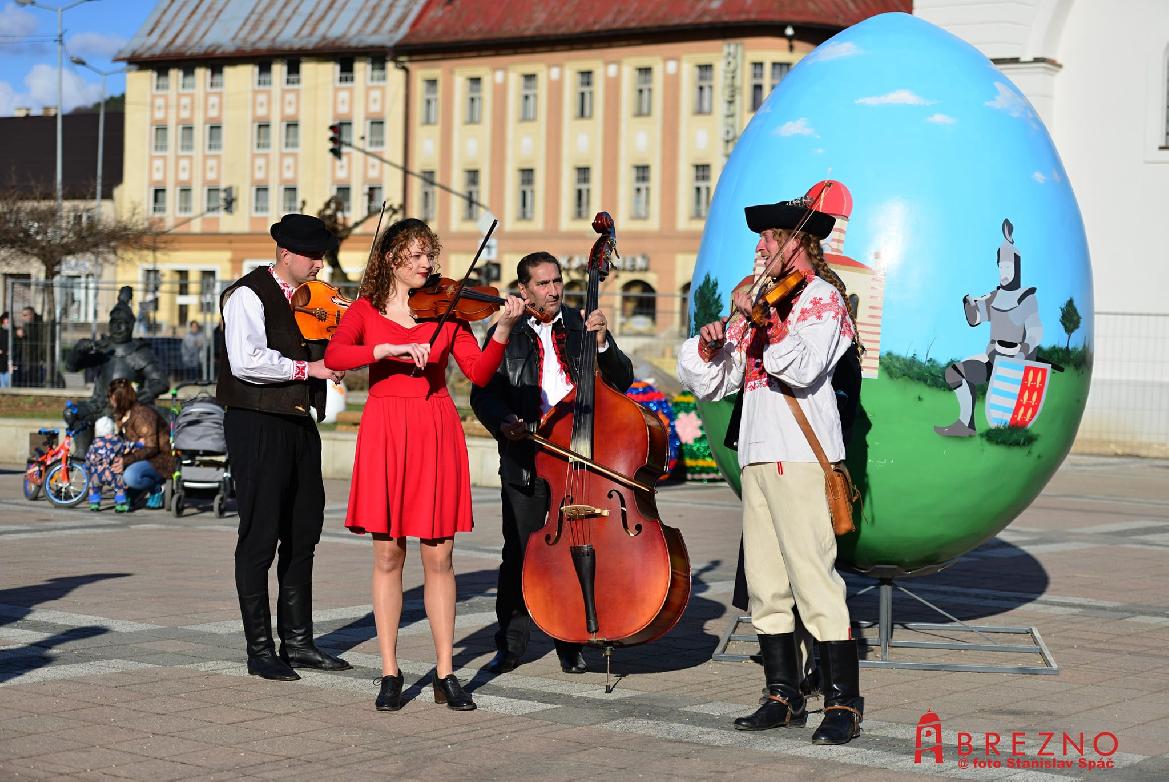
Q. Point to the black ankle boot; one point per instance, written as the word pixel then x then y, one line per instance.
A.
pixel 844 708
pixel 784 705
pixel 262 659
pixel 294 623
pixel 448 690
pixel 389 697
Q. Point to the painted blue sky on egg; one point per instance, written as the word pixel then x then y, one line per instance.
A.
pixel 937 147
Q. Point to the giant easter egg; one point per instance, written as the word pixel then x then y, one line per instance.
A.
pixel 958 231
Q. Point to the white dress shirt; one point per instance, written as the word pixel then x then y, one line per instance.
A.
pixel 247 344
pixel 554 381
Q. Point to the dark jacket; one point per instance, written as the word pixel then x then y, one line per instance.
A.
pixel 291 397
pixel 515 389
pixel 146 425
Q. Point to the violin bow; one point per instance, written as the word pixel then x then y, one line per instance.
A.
pixel 462 283
pixel 372 245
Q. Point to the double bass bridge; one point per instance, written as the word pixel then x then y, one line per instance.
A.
pixel 578 512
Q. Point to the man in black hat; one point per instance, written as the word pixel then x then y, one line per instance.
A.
pixel 788 544
pixel 271 380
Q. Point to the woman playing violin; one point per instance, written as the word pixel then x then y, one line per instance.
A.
pixel 410 474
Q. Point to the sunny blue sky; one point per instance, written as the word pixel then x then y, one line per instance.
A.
pixel 94 31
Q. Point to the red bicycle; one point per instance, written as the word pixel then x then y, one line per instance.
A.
pixel 63 477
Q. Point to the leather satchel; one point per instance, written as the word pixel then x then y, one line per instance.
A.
pixel 839 490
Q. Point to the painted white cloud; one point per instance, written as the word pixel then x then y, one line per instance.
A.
pixel 1009 101
pixel 834 51
pixel 797 127
pixel 41 83
pixel 1039 177
pixel 97 45
pixel 897 97
pixel 941 119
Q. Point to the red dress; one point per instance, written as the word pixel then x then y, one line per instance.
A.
pixel 410 474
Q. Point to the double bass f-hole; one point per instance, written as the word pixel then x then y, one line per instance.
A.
pixel 625 514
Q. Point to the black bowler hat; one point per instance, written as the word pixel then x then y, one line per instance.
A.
pixel 303 235
pixel 789 214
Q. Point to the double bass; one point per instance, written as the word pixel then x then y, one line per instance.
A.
pixel 604 570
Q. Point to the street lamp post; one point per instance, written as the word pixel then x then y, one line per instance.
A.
pixel 60 10
pixel 101 123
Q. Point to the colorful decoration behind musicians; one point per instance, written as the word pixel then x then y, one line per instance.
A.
pixel 949 148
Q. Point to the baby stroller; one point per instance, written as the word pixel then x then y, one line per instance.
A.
pixel 200 450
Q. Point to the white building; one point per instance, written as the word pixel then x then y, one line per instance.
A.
pixel 1097 71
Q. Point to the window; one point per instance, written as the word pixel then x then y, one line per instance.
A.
pixel 377 71
pixel 528 97
pixel 756 85
pixel 185 205
pixel 643 92
pixel 186 138
pixel 208 291
pixel 527 205
pixel 289 201
pixel 291 135
pixel 701 191
pixel 778 71
pixel 684 314
pixel 638 307
pixel 212 201
pixel 215 77
pixel 375 136
pixel 471 189
pixel 345 70
pixel 259 200
pixel 158 201
pixel 183 280
pixel 429 101
pixel 374 196
pixel 427 200
pixel 343 199
pixel 584 95
pixel 161 80
pixel 264 74
pixel 160 138
pixel 187 78
pixel 214 138
pixel 640 192
pixel 581 193
pixel 292 73
pixel 474 100
pixel 703 89
pixel 263 136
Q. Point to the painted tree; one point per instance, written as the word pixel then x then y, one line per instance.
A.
pixel 1069 318
pixel 708 305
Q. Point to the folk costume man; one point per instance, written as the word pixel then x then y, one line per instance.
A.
pixel 788 543
pixel 541 366
pixel 268 381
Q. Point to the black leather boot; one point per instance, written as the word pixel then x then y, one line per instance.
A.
pixel 784 705
pixel 389 697
pixel 844 708
pixel 294 623
pixel 262 659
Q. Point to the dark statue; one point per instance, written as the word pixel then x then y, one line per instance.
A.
pixel 116 355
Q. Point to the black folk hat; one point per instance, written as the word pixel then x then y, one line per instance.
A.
pixel 789 214
pixel 303 234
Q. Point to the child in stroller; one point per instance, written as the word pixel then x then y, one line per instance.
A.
pixel 200 450
pixel 106 447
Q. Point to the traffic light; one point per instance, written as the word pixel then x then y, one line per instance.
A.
pixel 228 200
pixel 335 140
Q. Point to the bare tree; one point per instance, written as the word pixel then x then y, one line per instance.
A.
pixel 333 215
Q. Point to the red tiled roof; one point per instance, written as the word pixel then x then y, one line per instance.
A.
pixel 463 22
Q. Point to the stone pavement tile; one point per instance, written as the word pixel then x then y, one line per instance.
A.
pixel 90 734
pixel 223 735
pixel 93 758
pixel 288 746
pixel 220 758
pixel 166 724
pixel 224 714
pixel 15 725
pixel 164 704
pixel 154 769
pixel 281 724
pixel 28 768
pixel 43 704
pixel 34 745
pixel 160 746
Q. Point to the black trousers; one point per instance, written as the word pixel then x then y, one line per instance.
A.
pixel 524 511
pixel 276 464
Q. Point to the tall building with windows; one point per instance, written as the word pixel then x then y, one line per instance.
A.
pixel 538 119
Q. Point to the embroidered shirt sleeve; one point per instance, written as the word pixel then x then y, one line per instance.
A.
pixel 819 330
pixel 710 380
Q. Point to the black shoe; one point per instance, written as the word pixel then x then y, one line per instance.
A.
pixel 294 624
pixel 389 697
pixel 844 708
pixel 262 659
pixel 448 690
pixel 783 705
pixel 503 662
pixel 269 666
pixel 573 662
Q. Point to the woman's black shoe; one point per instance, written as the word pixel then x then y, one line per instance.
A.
pixel 389 697
pixel 448 690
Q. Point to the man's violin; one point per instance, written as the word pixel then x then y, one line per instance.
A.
pixel 475 302
pixel 318 308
